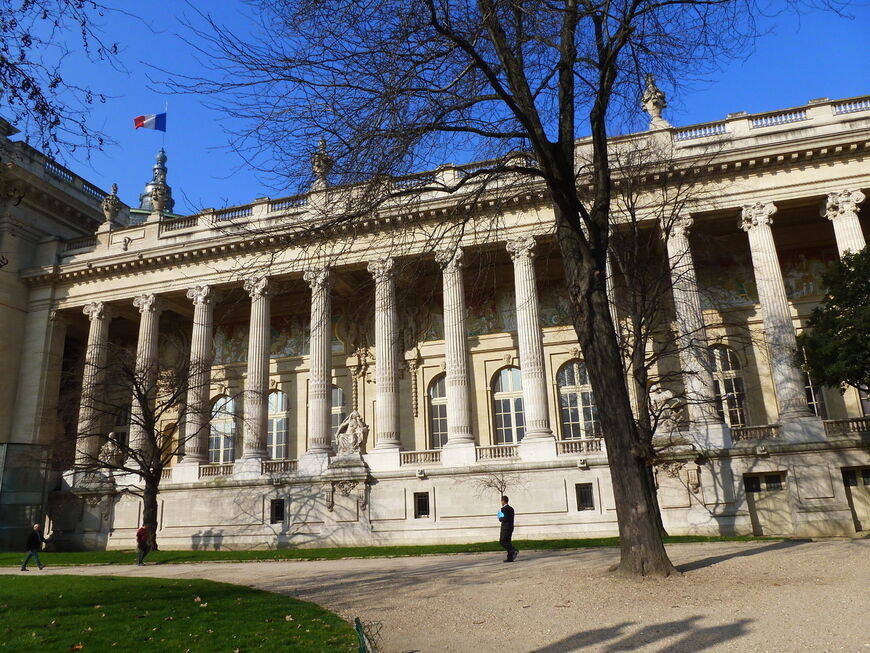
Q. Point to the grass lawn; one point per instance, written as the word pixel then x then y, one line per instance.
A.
pixel 74 613
pixel 173 557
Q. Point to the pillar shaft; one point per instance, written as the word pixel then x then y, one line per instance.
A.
pixel 386 356
pixel 145 380
pixel 92 410
pixel 199 375
pixel 257 383
pixel 530 337
pixel 459 428
pixel 842 210
pixel 778 328
pixel 320 363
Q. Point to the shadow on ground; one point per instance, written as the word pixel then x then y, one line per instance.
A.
pixel 756 550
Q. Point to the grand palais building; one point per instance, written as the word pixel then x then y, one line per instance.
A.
pixel 376 385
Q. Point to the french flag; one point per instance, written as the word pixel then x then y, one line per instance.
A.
pixel 151 121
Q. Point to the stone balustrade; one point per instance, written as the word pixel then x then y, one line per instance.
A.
pixel 766 432
pixel 498 452
pixel 207 471
pixel 429 456
pixel 842 427
pixel 581 446
pixel 280 466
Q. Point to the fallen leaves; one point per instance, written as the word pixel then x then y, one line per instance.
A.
pixel 77 647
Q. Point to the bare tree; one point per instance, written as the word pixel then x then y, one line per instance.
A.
pixel 130 421
pixel 394 86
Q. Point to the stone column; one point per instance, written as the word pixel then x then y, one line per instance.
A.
pixel 199 376
pixel 320 363
pixel 531 343
pixel 91 413
pixel 386 355
pixel 778 328
pixel 150 307
pixel 459 430
pixel 257 382
pixel 692 339
pixel 842 209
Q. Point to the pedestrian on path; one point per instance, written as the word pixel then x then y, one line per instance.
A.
pixel 142 546
pixel 506 517
pixel 35 541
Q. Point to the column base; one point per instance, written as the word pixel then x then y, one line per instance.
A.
pixel 538 449
pixel 458 454
pixel 384 460
pixel 246 469
pixel 313 463
pixel 187 471
pixel 802 429
pixel 715 435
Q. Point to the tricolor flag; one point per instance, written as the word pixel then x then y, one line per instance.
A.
pixel 151 121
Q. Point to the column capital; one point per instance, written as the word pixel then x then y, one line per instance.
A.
pixel 149 303
pixel 382 268
pixel 97 311
pixel 521 247
pixel 258 287
pixel 449 258
pixel 753 215
pixel 842 203
pixel 318 278
pixel 679 226
pixel 201 294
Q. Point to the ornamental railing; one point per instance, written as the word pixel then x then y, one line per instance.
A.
pixel 174 224
pixel 285 203
pixel 701 131
pixel 498 452
pixel 430 456
pixel 766 432
pixel 780 118
pixel 208 471
pixel 852 106
pixel 83 242
pixel 234 213
pixel 280 466
pixel 166 474
pixel 580 446
pixel 841 427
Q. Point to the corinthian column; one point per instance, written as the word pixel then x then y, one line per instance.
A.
pixel 386 355
pixel 692 337
pixel 778 328
pixel 456 350
pixel 320 376
pixel 150 308
pixel 257 383
pixel 90 416
pixel 199 376
pixel 530 336
pixel 842 209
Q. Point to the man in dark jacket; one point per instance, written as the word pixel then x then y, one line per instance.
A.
pixel 142 544
pixel 506 517
pixel 34 544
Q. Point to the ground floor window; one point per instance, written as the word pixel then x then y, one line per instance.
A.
pixel 276 511
pixel 585 497
pixel 421 504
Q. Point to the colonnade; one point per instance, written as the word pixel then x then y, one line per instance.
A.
pixel 755 220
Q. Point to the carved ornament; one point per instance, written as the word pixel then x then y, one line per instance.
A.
pixel 258 287
pixel 97 311
pixel 111 205
pixel 521 248
pixel 381 268
pixel 753 215
pixel 842 203
pixel 318 278
pixel 200 294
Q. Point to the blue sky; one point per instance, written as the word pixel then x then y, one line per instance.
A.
pixel 799 58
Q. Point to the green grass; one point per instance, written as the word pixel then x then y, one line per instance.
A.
pixel 174 557
pixel 97 613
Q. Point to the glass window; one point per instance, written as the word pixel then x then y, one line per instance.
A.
pixel 507 395
pixel 338 410
pixel 222 434
pixel 773 482
pixel 421 504
pixel 815 397
pixel 276 511
pixel 438 411
pixel 585 498
pixel 577 410
pixel 276 436
pixel 730 395
pixel 864 396
pixel 752 483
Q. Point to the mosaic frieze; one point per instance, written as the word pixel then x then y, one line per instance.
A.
pixel 290 336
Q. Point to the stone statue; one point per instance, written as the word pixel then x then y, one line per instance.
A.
pixel 351 434
pixel 110 454
pixel 653 101
pixel 111 206
pixel 321 164
pixel 665 405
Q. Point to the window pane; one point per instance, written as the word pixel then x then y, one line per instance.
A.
pixel 773 482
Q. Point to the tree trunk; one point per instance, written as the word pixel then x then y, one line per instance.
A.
pixel 149 509
pixel 642 552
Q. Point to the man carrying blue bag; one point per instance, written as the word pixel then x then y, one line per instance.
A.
pixel 506 517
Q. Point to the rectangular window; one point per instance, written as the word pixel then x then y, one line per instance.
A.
pixel 850 478
pixel 421 504
pixel 585 497
pixel 276 511
pixel 752 483
pixel 773 482
pixel 864 396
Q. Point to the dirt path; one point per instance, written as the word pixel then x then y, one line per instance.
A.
pixel 748 597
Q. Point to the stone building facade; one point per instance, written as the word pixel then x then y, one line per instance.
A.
pixel 368 388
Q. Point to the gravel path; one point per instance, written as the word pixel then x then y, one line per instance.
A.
pixel 749 597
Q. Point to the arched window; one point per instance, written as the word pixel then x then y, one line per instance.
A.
pixel 438 411
pixel 338 412
pixel 576 404
pixel 507 398
pixel 730 395
pixel 276 436
pixel 222 434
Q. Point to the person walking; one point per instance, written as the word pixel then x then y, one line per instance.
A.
pixel 35 541
pixel 506 517
pixel 142 546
